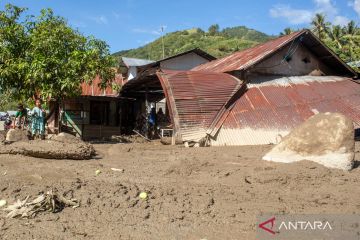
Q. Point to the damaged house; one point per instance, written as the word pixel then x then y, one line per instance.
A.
pixel 146 89
pixel 96 114
pixel 102 113
pixel 254 96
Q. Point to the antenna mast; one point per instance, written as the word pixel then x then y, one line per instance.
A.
pixel 162 40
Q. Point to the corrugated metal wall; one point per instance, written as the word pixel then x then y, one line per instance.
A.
pixel 196 98
pixel 269 110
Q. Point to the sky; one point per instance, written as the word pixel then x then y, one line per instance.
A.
pixel 126 24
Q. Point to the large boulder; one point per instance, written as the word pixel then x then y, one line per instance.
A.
pixel 66 138
pixel 325 138
pixel 17 135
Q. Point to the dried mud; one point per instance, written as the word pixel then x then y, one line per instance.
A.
pixel 193 193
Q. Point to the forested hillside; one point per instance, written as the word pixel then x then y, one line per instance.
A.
pixel 217 43
pixel 343 40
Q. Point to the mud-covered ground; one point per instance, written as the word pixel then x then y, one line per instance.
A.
pixel 194 193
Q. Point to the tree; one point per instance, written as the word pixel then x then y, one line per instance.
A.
pixel 286 31
pixel 44 57
pixel 351 38
pixel 14 43
pixel 350 28
pixel 213 29
pixel 200 31
pixel 336 35
pixel 6 102
pixel 320 26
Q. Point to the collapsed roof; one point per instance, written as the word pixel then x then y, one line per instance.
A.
pixel 271 108
pixel 195 98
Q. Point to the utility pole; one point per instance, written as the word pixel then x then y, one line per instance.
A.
pixel 162 40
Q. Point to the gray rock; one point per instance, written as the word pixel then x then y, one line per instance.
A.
pixel 17 135
pixel 325 138
pixel 66 138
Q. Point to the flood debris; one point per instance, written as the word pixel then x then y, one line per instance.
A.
pixel 143 195
pixel 141 135
pixel 117 169
pixel 62 146
pixel 51 201
pixel 135 138
pixel 3 202
pixel 325 138
pixel 170 141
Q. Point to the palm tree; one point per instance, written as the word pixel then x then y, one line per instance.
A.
pixel 351 28
pixel 320 26
pixel 350 35
pixel 286 31
pixel 336 35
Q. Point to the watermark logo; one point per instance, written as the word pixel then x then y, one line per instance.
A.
pixel 265 227
pixel 308 227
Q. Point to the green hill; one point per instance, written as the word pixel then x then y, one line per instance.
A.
pixel 218 43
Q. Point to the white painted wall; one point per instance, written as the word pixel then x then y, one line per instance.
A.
pixel 184 62
pixel 161 104
pixel 247 136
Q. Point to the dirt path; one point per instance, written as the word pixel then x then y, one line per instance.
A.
pixel 198 193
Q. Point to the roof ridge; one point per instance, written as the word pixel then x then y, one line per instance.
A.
pixel 283 40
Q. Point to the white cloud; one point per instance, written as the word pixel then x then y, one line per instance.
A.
pixel 78 24
pixel 100 19
pixel 116 15
pixel 121 16
pixel 326 6
pixel 356 5
pixel 340 20
pixel 148 31
pixel 145 41
pixel 302 16
pixel 294 16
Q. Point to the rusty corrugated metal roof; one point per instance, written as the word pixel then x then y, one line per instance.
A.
pixel 249 57
pixel 275 107
pixel 195 98
pixel 242 59
pixel 93 89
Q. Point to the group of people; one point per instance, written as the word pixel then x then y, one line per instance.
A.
pixel 156 119
pixel 37 123
pixel 148 124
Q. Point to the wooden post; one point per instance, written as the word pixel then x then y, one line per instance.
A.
pixel 173 140
pixel 147 112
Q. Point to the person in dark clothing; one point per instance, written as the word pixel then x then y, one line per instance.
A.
pixel 152 117
pixel 20 117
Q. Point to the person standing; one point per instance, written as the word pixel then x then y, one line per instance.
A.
pixel 20 117
pixel 38 120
